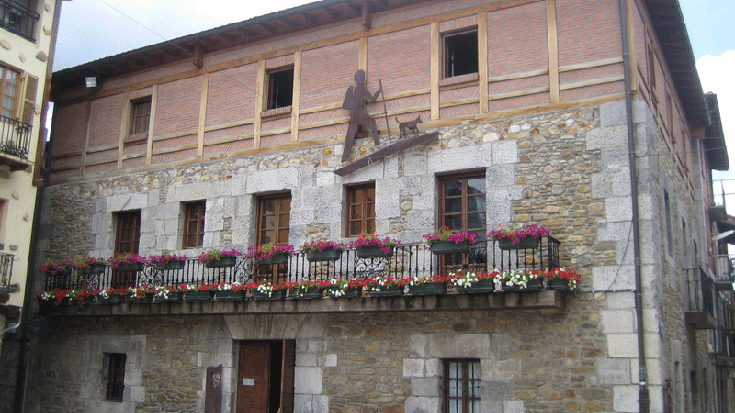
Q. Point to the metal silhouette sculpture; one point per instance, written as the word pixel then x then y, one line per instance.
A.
pixel 356 98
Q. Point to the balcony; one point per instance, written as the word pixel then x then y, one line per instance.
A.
pixel 700 312
pixel 15 141
pixel 18 19
pixel 407 261
pixel 725 275
pixel 6 273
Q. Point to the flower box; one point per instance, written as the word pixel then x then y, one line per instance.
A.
pixel 139 299
pixel 559 284
pixel 531 285
pixel 173 265
pixel 274 260
pixel 449 247
pixel 429 288
pixel 229 295
pixel 373 251
pixel 326 255
pixel 305 293
pixel 273 295
pixel 385 291
pixel 109 299
pixel 197 295
pixel 336 292
pixel 485 285
pixel 222 262
pixel 171 297
pixel 527 243
pixel 125 267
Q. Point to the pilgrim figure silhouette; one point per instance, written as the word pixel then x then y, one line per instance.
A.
pixel 355 99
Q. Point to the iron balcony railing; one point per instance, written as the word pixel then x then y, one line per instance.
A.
pixel 6 271
pixel 406 261
pixel 724 342
pixel 725 268
pixel 700 291
pixel 18 19
pixel 15 137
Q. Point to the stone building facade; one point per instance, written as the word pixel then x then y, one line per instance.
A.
pixel 540 121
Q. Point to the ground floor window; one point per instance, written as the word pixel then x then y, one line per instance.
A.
pixel 115 376
pixel 462 386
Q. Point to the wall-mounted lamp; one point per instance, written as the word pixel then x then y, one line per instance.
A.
pixel 91 82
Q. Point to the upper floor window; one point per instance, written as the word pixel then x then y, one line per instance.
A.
pixel 9 90
pixel 273 219
pixel 194 224
pixel 462 391
pixel 19 17
pixel 280 88
pixel 360 210
pixel 460 54
pixel 463 203
pixel 140 116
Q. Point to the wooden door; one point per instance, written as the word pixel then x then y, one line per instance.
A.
pixel 253 383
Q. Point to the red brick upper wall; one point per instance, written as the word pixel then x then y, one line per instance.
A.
pixel 401 60
pixel 104 122
pixel 517 39
pixel 69 129
pixel 326 72
pixel 231 95
pixel 178 106
pixel 587 30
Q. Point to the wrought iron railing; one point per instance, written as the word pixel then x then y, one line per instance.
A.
pixel 724 342
pixel 15 137
pixel 406 261
pixel 6 271
pixel 700 291
pixel 18 19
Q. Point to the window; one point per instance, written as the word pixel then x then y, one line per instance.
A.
pixel 460 54
pixel 360 210
pixel 280 88
pixel 9 91
pixel 115 376
pixel 127 240
pixel 194 224
pixel 462 386
pixel 273 219
pixel 463 208
pixel 140 116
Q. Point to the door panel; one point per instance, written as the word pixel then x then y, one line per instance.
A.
pixel 253 377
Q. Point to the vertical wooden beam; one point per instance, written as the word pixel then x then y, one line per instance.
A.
pixel 367 17
pixel 151 126
pixel 202 114
pixel 295 100
pixel 198 59
pixel 553 51
pixel 435 62
pixel 259 102
pixel 87 123
pixel 363 57
pixel 631 48
pixel 482 57
pixel 124 127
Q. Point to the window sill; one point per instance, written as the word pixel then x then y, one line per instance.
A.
pixel 450 81
pixel 136 139
pixel 273 114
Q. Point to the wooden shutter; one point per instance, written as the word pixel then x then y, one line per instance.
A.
pixel 29 102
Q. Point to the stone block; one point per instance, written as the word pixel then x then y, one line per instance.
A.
pixel 618 209
pixel 452 159
pixel 500 175
pixel 329 212
pixel 613 278
pixel 301 217
pixel 613 113
pixel 311 404
pixel 414 164
pixel 503 152
pixel 389 195
pixel 625 399
pixel 307 380
pixel 510 369
pixel 434 368
pixel 426 387
pixel 616 159
pixel 514 407
pixel 238 184
pixel 127 202
pixel 618 321
pixel 423 405
pixel 613 371
pixel 330 360
pixel 390 171
pixel 459 345
pixel 372 172
pixel 325 178
pixel 272 180
pixel 622 345
pixel 413 367
pixel 498 212
pixel 135 393
pixel 306 360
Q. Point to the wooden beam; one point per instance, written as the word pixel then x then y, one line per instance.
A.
pixel 199 55
pixel 482 57
pixel 151 125
pixel 553 51
pixel 387 151
pixel 435 48
pixel 296 100
pixel 124 127
pixel 87 124
pixel 259 101
pixel 202 114
pixel 367 17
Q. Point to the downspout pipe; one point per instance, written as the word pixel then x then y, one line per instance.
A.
pixel 643 391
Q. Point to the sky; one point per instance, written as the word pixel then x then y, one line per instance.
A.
pixel 92 29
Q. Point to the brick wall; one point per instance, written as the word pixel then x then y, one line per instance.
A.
pixel 587 30
pixel 178 106
pixel 105 119
pixel 517 39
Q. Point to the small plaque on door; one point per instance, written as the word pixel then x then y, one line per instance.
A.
pixel 248 382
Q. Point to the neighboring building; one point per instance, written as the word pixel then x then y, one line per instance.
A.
pixel 26 43
pixel 234 137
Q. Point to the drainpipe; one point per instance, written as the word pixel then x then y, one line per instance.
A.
pixel 643 392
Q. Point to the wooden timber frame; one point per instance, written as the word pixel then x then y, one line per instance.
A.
pixel 81 160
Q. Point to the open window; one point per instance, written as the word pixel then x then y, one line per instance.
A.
pixel 360 214
pixel 280 88
pixel 194 224
pixel 265 381
pixel 127 241
pixel 463 207
pixel 460 54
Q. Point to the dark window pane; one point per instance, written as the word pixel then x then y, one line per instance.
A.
pixel 453 189
pixel 453 205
